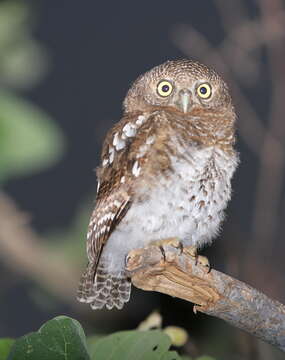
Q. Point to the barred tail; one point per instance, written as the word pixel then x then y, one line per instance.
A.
pixel 104 289
pixel 86 284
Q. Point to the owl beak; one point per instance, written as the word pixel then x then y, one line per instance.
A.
pixel 185 100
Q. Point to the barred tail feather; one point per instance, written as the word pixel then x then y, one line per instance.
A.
pixel 104 289
pixel 86 287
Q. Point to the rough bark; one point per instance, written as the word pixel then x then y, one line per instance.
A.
pixel 213 293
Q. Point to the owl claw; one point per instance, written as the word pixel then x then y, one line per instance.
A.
pixel 168 242
pixel 189 250
pixel 162 252
pixel 203 261
pixel 199 259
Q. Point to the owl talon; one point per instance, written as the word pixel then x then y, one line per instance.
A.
pixel 181 248
pixel 203 261
pixel 199 259
pixel 174 242
pixel 169 242
pixel 127 260
pixel 162 252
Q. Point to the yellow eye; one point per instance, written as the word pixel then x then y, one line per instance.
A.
pixel 164 88
pixel 204 91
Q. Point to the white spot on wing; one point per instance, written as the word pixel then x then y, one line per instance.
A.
pixel 111 154
pixel 118 142
pixel 136 169
pixel 123 179
pixel 140 120
pixel 105 162
pixel 129 130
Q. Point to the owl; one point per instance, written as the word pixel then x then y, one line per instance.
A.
pixel 165 172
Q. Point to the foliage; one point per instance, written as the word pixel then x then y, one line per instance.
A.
pixel 5 346
pixel 60 338
pixel 23 60
pixel 63 338
pixel 29 140
pixel 136 344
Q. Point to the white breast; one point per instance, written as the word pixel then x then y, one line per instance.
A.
pixel 188 204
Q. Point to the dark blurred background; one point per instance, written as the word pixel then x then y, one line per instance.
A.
pixel 65 67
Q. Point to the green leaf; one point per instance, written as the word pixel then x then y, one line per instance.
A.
pixel 5 346
pixel 205 357
pixel 59 339
pixel 171 355
pixel 92 341
pixel 138 345
pixel 29 141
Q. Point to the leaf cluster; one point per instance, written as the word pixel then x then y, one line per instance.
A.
pixel 63 338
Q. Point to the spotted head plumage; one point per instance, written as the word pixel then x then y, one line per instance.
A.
pixel 172 82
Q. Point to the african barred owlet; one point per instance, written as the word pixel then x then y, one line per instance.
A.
pixel 165 173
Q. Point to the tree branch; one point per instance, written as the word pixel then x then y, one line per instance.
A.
pixel 23 251
pixel 214 293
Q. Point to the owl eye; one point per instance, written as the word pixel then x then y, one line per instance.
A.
pixel 204 91
pixel 164 88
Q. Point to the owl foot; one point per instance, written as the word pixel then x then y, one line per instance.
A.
pixel 189 250
pixel 199 259
pixel 174 242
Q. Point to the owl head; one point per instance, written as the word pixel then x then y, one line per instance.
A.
pixel 182 85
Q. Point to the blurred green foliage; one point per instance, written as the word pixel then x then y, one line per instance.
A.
pixel 23 61
pixel 63 338
pixel 135 344
pixel 29 139
pixel 5 347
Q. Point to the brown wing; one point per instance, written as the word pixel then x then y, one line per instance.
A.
pixel 112 202
pixel 114 196
pixel 125 155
